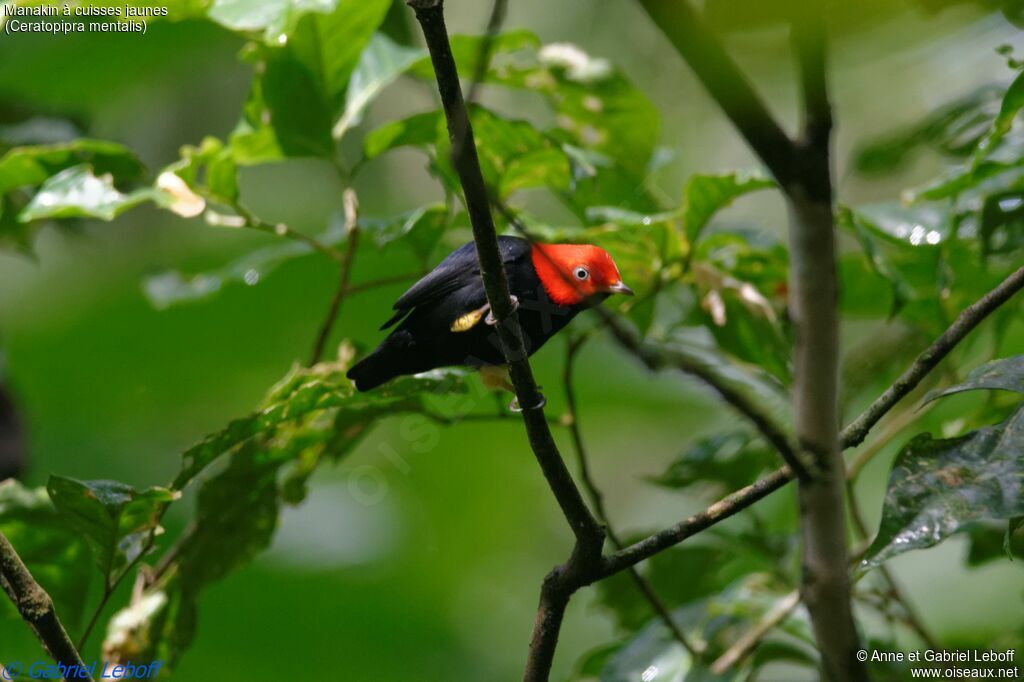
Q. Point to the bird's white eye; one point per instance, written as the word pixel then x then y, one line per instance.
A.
pixel 581 273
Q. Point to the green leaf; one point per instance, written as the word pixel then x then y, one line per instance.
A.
pixel 1005 374
pixel 300 82
pixel 1013 102
pixel 996 542
pixel 756 385
pixel 419 229
pixel 936 487
pixel 705 195
pixel 418 130
pixel 31 166
pixel 55 554
pixel 113 517
pixel 304 393
pixel 209 169
pixel 78 192
pixel 724 461
pixel 381 63
pixel 595 105
pixel 273 17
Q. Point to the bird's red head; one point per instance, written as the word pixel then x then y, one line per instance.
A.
pixel 571 273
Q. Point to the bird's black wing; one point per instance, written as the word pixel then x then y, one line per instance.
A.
pixel 458 270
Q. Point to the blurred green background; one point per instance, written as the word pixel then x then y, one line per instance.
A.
pixel 424 566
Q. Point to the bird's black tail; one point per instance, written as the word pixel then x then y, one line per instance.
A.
pixel 373 370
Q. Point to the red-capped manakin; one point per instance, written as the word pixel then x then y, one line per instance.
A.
pixel 443 320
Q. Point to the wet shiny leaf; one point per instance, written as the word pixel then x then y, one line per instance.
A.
pixel 936 487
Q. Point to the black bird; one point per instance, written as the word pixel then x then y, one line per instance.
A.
pixel 444 319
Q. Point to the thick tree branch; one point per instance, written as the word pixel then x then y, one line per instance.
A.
pixel 559 585
pixel 964 324
pixel 814 308
pixel 36 607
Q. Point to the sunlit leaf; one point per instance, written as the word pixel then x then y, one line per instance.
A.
pixel 305 392
pixel 301 77
pixel 705 195
pixel 32 166
pixel 78 193
pixel 418 130
pixel 381 63
pixel 937 487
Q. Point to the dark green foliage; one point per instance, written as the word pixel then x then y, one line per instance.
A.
pixel 938 486
pixel 116 520
pixel 55 552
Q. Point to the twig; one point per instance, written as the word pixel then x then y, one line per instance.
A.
pixel 563 580
pixel 36 607
pixel 965 322
pixel 109 589
pixel 352 230
pixel 499 8
pixel 752 637
pixel 728 506
pixel 281 230
pixel 572 349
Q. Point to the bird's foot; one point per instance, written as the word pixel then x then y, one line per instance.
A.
pixel 492 320
pixel 514 405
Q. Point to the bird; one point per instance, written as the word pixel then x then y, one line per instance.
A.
pixel 444 319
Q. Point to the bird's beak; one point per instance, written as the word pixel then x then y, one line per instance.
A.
pixel 620 288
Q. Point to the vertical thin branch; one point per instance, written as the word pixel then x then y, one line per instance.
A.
pixel 344 276
pixel 585 560
pixel 36 607
pixel 597 499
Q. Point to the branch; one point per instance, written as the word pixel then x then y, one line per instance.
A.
pixel 964 324
pixel 250 221
pixel 729 505
pixel 751 638
pixel 560 584
pixel 814 299
pixel 36 607
pixel 726 83
pixel 597 499
pixel 352 230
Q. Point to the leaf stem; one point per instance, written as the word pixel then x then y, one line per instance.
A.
pixel 352 230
